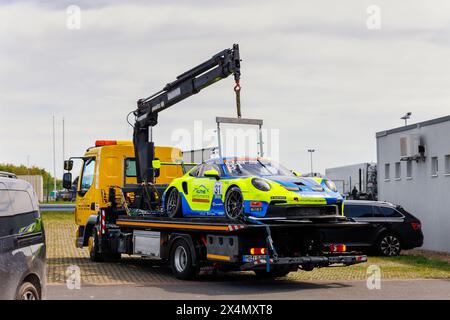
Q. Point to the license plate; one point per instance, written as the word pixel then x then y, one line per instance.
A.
pixel 252 258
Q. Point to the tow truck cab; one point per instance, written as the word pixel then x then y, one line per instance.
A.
pixel 112 163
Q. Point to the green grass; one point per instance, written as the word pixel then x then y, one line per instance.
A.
pixel 57 216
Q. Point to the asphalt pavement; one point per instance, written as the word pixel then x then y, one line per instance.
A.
pixel 258 289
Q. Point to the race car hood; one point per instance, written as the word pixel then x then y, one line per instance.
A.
pixel 306 186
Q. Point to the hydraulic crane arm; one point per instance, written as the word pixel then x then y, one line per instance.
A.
pixel 219 67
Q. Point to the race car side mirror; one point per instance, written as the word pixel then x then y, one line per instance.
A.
pixel 212 174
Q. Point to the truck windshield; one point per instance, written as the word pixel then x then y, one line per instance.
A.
pixel 256 167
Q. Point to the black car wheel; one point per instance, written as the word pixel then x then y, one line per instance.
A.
pixel 27 291
pixel 234 203
pixel 181 261
pixel 173 203
pixel 389 245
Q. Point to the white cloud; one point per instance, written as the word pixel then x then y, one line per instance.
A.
pixel 311 69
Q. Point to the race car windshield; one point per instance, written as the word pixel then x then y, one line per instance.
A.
pixel 256 167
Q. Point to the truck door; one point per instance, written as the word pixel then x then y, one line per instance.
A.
pixel 205 190
pixel 86 191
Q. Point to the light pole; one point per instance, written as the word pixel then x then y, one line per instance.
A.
pixel 311 153
pixel 406 117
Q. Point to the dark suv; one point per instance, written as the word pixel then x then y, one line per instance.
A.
pixel 22 241
pixel 389 229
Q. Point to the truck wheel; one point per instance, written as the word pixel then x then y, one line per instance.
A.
pixel 389 245
pixel 173 203
pixel 181 261
pixel 94 255
pixel 27 291
pixel 273 273
pixel 234 203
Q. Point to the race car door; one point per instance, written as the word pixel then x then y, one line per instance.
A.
pixel 206 191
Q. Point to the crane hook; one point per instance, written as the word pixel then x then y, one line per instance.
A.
pixel 237 90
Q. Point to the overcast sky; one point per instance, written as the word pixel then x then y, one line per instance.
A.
pixel 311 69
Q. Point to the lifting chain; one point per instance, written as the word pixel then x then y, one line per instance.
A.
pixel 237 90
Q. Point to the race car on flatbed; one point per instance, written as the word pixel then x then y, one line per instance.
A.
pixel 248 187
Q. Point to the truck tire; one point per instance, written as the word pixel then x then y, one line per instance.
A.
pixel 234 203
pixel 27 291
pixel 181 261
pixel 273 273
pixel 173 203
pixel 94 253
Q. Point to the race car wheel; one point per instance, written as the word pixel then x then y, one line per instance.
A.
pixel 234 203
pixel 389 245
pixel 181 261
pixel 173 203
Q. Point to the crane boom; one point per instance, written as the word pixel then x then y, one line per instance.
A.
pixel 219 67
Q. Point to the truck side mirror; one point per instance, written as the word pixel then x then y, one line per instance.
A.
pixel 156 165
pixel 67 180
pixel 68 165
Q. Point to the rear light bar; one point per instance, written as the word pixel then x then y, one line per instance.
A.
pixel 258 251
pixel 338 248
pixel 416 225
pixel 101 143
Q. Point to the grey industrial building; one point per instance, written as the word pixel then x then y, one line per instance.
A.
pixel 414 171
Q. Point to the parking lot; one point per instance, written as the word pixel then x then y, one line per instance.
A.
pixel 133 276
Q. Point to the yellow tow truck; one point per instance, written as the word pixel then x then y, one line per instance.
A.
pixel 111 163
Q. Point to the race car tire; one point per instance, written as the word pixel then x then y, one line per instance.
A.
pixel 234 203
pixel 173 203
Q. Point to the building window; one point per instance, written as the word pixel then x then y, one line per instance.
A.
pixel 387 174
pixel 447 164
pixel 434 166
pixel 398 171
pixel 409 169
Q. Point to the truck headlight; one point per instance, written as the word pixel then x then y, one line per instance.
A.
pixel 260 184
pixel 331 185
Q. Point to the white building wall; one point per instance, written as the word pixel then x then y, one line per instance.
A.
pixel 424 195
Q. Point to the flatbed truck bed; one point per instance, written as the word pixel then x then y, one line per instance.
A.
pixel 270 248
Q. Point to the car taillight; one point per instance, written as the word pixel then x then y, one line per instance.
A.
pixel 416 225
pixel 258 251
pixel 338 248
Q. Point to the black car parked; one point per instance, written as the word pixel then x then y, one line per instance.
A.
pixel 389 229
pixel 22 241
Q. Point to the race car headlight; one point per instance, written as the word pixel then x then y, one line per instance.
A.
pixel 260 184
pixel 331 185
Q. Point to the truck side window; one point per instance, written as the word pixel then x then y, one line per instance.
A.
pixel 130 168
pixel 88 175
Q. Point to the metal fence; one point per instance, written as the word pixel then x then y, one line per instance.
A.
pixel 57 207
